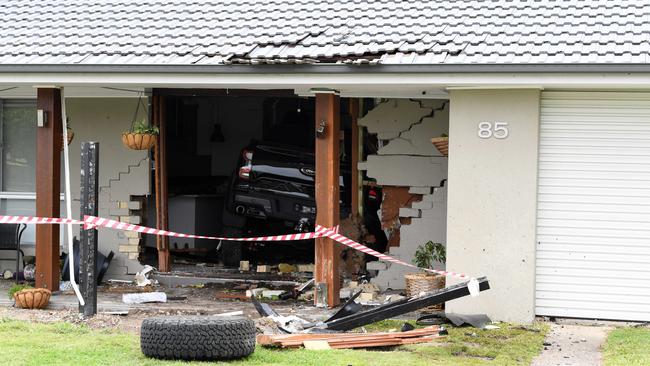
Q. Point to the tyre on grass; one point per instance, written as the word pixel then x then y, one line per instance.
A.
pixel 197 337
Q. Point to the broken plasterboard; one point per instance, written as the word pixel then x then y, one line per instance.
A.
pixel 393 116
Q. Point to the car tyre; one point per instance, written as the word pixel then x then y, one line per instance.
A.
pixel 197 337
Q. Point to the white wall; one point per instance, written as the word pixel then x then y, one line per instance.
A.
pixel 122 172
pixel 408 159
pixel 492 195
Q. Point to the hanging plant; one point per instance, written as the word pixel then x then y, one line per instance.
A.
pixel 141 136
pixel 70 133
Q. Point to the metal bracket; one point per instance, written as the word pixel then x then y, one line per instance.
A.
pixel 320 295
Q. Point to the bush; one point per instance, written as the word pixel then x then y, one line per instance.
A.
pixel 17 288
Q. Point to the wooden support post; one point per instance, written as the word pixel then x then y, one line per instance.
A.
pixel 89 191
pixel 327 198
pixel 160 167
pixel 354 157
pixel 48 186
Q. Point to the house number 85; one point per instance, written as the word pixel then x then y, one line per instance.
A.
pixel 498 130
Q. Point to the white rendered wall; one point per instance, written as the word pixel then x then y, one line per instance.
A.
pixel 492 200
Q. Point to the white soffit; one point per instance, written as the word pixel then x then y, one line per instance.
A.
pixel 352 84
pixel 9 91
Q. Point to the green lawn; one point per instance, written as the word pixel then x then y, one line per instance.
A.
pixel 627 346
pixel 24 343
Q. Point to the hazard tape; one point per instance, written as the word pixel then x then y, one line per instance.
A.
pixel 91 222
pixel 362 248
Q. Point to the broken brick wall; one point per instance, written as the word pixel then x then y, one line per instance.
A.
pixel 123 173
pixel 412 172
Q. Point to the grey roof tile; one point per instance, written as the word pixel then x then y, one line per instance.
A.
pixel 309 31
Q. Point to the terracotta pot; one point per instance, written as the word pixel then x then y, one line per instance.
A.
pixel 138 141
pixel 70 137
pixel 417 283
pixel 442 144
pixel 32 298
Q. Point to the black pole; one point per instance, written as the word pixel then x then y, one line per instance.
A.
pixel 88 243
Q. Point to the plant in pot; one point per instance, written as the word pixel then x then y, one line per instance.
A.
pixel 426 256
pixel 69 132
pixel 142 136
pixel 27 297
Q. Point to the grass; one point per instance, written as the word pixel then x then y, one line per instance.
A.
pixel 627 346
pixel 24 343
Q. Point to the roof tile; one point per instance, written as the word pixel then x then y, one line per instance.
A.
pixel 308 31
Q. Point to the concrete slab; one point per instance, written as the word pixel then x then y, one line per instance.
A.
pixel 573 344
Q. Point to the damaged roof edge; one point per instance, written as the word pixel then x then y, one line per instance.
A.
pixel 329 68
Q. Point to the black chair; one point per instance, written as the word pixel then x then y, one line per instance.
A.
pixel 10 235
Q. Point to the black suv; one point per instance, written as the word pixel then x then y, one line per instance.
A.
pixel 272 192
pixel 276 182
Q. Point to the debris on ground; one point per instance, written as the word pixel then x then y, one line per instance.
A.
pixel 287 268
pixel 265 268
pixel 126 287
pixel 244 266
pixel 142 277
pixel 144 297
pixel 479 321
pixel 296 292
pixel 351 340
pixel 350 317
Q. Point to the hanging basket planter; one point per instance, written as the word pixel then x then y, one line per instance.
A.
pixel 70 137
pixel 33 298
pixel 442 144
pixel 138 141
pixel 141 136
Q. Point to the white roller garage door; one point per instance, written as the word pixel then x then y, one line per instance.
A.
pixel 593 225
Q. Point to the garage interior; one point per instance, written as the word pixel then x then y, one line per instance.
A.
pixel 206 136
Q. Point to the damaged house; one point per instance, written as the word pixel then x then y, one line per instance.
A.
pixel 323 112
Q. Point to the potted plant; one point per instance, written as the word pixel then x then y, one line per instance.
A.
pixel 442 144
pixel 425 257
pixel 142 136
pixel 27 297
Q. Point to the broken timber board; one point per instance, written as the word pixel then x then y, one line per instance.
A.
pixel 359 340
pixel 403 306
pixel 295 340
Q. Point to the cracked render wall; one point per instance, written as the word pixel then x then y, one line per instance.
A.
pixel 408 159
pixel 122 173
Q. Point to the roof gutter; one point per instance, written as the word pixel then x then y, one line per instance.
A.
pixel 329 68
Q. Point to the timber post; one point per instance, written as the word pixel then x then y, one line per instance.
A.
pixel 327 252
pixel 48 185
pixel 160 177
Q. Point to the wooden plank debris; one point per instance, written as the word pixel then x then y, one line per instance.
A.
pixel 352 340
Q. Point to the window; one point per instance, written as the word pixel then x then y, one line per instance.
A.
pixel 18 162
pixel 18 146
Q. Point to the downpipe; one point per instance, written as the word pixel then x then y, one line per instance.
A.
pixel 68 200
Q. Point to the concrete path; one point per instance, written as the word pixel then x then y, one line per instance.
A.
pixel 573 344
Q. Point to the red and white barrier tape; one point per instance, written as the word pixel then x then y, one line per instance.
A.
pixel 37 220
pixel 90 222
pixel 362 248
